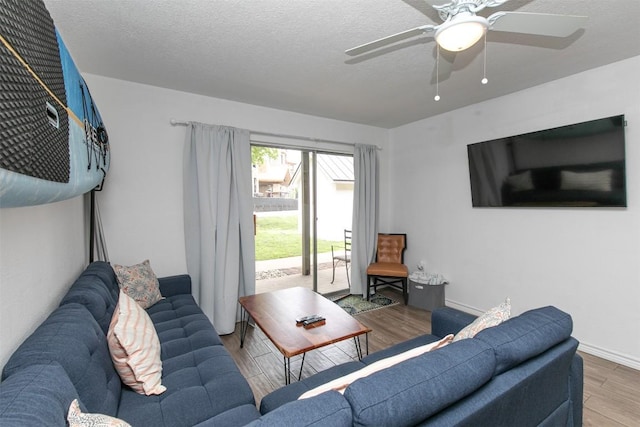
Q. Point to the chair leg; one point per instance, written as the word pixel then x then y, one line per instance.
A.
pixel 368 286
pixel 346 268
pixel 405 295
pixel 333 277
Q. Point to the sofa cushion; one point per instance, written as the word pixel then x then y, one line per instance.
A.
pixel 447 320
pixel 238 416
pixel 400 348
pixel 38 395
pixel 71 337
pixel 200 385
pixel 412 391
pixel 135 348
pixel 526 336
pixel 175 285
pixel 326 409
pixel 182 326
pixel 97 289
pixel 139 282
pixel 525 395
pixel 197 370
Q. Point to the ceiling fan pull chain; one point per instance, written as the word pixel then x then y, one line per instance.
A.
pixel 484 80
pixel 437 97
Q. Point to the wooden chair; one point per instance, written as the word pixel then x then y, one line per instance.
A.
pixel 389 268
pixel 337 256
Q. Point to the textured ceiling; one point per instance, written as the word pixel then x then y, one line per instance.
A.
pixel 289 54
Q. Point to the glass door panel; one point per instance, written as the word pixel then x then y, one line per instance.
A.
pixel 302 205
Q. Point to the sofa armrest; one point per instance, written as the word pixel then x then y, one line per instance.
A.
pixel 447 320
pixel 175 285
pixel 576 388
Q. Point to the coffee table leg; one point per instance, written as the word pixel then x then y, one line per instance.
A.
pixel 287 370
pixel 366 340
pixel 356 340
pixel 301 366
pixel 244 325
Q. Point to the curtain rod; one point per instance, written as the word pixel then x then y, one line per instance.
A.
pixel 280 135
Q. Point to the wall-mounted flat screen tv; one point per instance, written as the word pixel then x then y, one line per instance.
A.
pixel 578 165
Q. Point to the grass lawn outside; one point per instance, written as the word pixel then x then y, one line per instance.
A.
pixel 278 237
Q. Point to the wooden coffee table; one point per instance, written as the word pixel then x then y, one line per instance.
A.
pixel 275 314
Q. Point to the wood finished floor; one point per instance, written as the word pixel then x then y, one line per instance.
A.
pixel 611 391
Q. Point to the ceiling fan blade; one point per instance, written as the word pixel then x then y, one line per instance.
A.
pixel 543 24
pixel 390 39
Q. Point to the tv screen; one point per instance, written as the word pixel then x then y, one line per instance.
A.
pixel 577 165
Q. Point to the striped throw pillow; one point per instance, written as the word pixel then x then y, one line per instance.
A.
pixel 135 347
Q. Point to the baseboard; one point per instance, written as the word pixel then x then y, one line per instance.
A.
pixel 593 350
pixel 463 307
pixel 609 355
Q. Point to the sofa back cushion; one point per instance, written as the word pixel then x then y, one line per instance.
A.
pixel 97 289
pixel 411 391
pixel 534 393
pixel 447 320
pixel 71 337
pixel 38 395
pixel 528 335
pixel 326 409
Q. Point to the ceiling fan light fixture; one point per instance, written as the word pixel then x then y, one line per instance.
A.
pixel 462 33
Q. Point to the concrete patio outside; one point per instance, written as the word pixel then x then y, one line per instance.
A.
pixel 287 272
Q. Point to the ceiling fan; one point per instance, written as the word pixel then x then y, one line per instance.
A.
pixel 462 28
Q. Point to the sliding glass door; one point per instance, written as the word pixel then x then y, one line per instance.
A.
pixel 302 206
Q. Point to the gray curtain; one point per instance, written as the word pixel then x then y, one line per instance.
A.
pixel 218 220
pixel 365 215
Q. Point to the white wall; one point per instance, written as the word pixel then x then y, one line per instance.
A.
pixel 141 204
pixel 582 260
pixel 43 248
pixel 42 251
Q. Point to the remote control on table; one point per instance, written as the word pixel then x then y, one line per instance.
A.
pixel 316 321
pixel 301 320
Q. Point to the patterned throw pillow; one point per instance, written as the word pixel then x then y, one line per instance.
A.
pixel 135 347
pixel 139 282
pixel 76 418
pixel 492 317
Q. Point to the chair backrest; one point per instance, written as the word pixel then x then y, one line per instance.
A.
pixel 391 248
pixel 347 241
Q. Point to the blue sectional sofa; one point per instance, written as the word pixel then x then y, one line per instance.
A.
pixel 67 358
pixel 524 372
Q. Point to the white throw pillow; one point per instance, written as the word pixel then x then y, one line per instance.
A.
pixel 135 347
pixel 340 384
pixel 77 418
pixel 492 317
